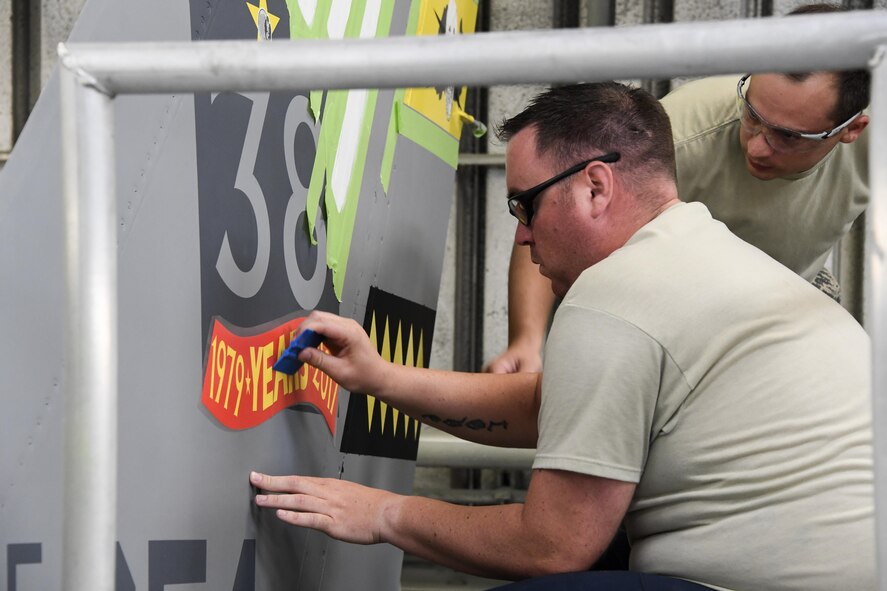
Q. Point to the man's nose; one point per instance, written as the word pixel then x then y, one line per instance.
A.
pixel 523 235
pixel 758 147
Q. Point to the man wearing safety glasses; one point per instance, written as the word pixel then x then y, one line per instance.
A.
pixel 781 159
pixel 782 151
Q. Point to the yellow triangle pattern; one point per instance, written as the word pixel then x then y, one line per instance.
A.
pixel 414 356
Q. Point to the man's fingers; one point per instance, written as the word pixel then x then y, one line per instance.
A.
pixel 289 484
pixel 297 502
pixel 498 367
pixel 273 483
pixel 501 364
pixel 325 362
pixel 309 520
pixel 334 328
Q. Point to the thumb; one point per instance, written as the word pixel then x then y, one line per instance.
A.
pixel 325 362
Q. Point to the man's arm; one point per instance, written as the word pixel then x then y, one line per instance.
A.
pixel 490 409
pixel 565 525
pixel 530 300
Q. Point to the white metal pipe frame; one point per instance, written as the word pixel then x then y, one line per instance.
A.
pixel 94 73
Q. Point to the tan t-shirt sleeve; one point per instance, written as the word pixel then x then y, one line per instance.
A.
pixel 599 395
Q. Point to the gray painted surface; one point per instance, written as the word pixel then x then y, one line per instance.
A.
pixel 182 480
pixel 442 351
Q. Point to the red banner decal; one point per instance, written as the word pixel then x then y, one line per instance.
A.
pixel 242 390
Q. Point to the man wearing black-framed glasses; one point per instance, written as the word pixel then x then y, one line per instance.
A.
pixel 680 396
pixel 521 204
pixel 781 159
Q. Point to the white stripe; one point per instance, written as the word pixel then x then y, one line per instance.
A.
pixel 338 20
pixel 308 8
pixel 348 140
pixel 352 123
pixel 370 18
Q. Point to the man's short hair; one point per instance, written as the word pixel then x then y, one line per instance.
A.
pixel 581 121
pixel 853 85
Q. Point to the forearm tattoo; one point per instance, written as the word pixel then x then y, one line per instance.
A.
pixel 473 424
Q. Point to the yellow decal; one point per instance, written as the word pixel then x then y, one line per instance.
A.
pixel 443 105
pixel 265 21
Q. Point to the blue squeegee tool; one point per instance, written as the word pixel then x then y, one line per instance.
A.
pixel 288 362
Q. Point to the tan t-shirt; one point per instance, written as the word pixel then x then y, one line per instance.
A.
pixel 734 393
pixel 796 220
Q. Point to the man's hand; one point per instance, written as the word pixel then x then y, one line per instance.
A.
pixel 354 364
pixel 343 510
pixel 515 359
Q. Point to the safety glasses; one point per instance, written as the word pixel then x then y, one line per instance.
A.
pixel 781 139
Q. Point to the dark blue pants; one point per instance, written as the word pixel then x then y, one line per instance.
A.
pixel 604 581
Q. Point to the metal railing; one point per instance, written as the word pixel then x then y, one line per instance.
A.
pixel 93 74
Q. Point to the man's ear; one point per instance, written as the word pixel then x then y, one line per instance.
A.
pixel 852 131
pixel 600 184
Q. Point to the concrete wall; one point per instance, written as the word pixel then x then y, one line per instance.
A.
pixel 57 18
pixel 5 78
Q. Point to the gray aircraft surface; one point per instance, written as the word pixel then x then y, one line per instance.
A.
pixel 238 215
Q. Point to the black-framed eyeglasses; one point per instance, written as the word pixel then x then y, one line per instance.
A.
pixel 781 139
pixel 520 205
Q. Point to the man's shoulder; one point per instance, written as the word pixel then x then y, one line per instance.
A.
pixel 702 107
pixel 654 260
